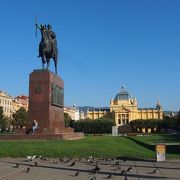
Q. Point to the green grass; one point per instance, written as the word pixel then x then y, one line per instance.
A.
pixel 97 146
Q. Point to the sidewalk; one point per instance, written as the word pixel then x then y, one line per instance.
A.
pixel 54 169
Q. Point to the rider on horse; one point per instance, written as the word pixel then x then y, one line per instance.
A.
pixel 48 45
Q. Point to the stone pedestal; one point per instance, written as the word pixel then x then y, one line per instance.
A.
pixel 46 102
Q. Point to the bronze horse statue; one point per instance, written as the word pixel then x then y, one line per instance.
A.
pixel 48 46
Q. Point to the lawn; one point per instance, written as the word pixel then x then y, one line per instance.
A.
pixel 97 146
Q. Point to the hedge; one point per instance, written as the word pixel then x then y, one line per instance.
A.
pixel 97 126
pixel 148 123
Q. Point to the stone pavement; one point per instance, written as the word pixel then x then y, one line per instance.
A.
pixel 62 169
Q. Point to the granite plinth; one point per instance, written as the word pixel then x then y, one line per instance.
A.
pixel 50 116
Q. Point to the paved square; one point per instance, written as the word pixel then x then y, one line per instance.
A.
pixel 55 169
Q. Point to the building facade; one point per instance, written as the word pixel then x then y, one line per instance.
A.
pixel 20 101
pixel 124 109
pixel 73 112
pixel 97 113
pixel 10 105
pixel 6 104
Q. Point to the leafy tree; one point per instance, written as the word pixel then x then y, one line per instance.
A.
pixel 20 117
pixel 3 120
pixel 67 120
pixel 178 120
pixel 138 124
pixel 1 113
pixel 171 122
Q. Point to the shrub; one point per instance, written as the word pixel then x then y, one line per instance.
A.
pixel 97 126
pixel 126 128
pixel 138 124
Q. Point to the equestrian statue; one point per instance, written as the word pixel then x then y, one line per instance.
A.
pixel 47 46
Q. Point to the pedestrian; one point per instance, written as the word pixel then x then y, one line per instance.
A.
pixel 34 126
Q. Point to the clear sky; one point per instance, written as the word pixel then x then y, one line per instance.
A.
pixel 103 45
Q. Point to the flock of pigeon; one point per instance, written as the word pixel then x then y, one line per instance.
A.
pixel 115 165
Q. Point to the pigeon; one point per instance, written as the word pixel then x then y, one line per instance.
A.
pixel 61 159
pixel 109 162
pixel 109 176
pixel 36 163
pixel 90 157
pixel 155 171
pixel 55 162
pixel 45 159
pixel 16 166
pixel 125 177
pixel 96 169
pixel 122 172
pixel 73 163
pixel 124 159
pixel 30 158
pixel 118 166
pixel 67 160
pixel 93 178
pixel 89 160
pixel 77 173
pixel 28 169
pixel 129 169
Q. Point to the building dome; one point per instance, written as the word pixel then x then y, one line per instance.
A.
pixel 123 95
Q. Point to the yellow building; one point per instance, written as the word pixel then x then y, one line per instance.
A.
pixel 10 105
pixel 124 109
pixel 20 101
pixel 97 113
pixel 6 103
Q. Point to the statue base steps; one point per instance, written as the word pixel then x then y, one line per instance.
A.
pixel 36 136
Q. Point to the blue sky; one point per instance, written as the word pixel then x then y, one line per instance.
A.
pixel 103 45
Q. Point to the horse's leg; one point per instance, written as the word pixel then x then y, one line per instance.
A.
pixel 55 64
pixel 48 63
pixel 42 58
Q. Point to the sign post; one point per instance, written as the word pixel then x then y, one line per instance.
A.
pixel 161 152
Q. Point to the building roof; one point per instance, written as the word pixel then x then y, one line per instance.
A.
pixel 2 93
pixel 22 97
pixel 141 109
pixel 123 94
pixel 102 109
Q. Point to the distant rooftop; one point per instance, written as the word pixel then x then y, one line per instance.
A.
pixel 2 93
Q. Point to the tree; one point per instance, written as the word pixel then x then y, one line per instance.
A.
pixel 178 119
pixel 1 112
pixel 67 120
pixel 3 120
pixel 20 117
